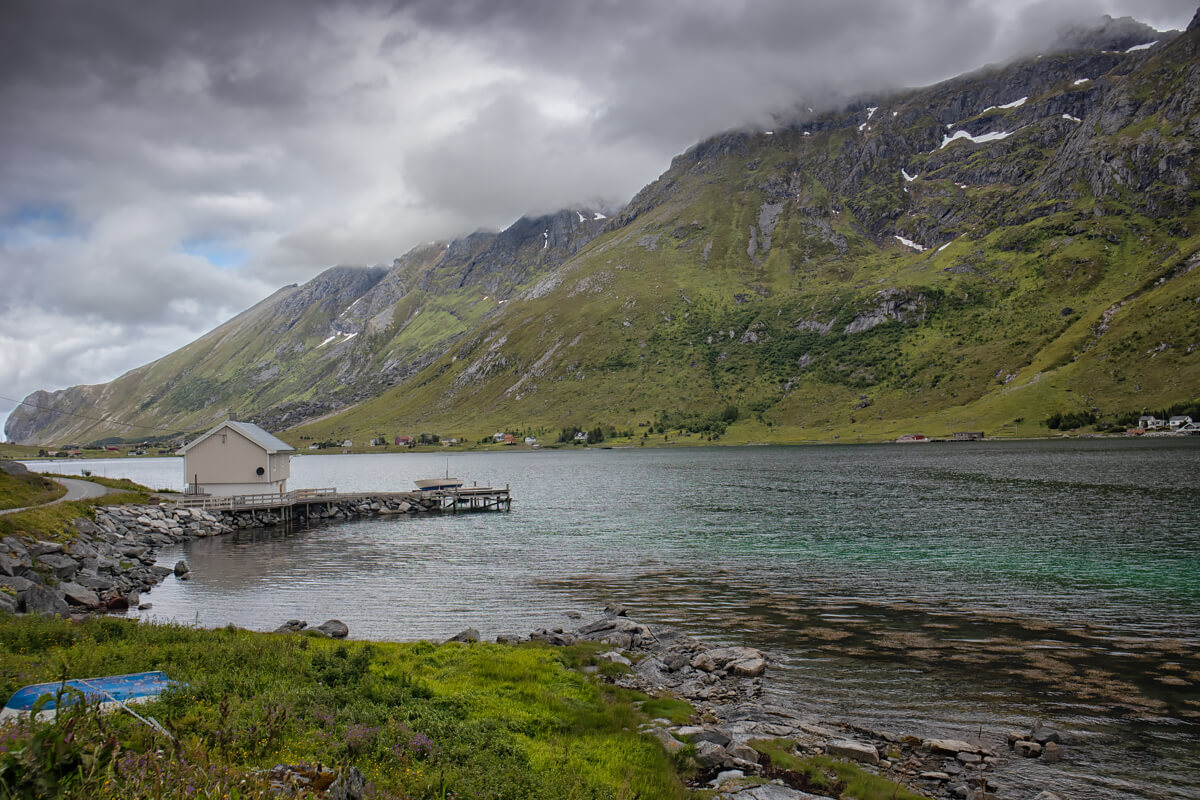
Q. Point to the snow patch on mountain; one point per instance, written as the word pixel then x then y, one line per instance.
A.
pixel 910 243
pixel 991 136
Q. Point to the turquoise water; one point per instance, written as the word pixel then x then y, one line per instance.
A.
pixel 929 588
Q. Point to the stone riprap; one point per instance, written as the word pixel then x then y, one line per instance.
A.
pixel 105 566
pixel 107 563
pixel 370 506
pixel 725 687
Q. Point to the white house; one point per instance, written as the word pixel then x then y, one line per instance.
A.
pixel 1175 423
pixel 530 440
pixel 1149 422
pixel 498 436
pixel 236 458
pixel 581 436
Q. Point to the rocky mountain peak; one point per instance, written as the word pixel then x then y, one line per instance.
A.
pixel 1195 23
pixel 1107 33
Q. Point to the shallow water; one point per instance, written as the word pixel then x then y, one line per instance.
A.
pixel 928 589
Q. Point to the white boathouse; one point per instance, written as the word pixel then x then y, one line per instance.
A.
pixel 236 458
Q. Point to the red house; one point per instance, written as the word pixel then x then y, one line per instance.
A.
pixel 407 441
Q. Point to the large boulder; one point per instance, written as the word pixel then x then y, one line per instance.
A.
pixel 62 566
pixel 77 595
pixel 334 629
pixel 952 747
pixel 37 599
pixel 292 626
pixel 468 635
pixel 855 751
pixel 744 661
pixel 618 631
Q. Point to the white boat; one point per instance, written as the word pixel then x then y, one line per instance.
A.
pixel 433 484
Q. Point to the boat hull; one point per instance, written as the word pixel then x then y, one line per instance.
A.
pixel 110 692
pixel 435 484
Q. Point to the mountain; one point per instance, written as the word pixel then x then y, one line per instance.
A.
pixel 980 254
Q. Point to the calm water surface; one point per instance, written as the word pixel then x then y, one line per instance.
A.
pixel 928 589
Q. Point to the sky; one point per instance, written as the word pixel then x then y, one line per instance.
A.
pixel 165 165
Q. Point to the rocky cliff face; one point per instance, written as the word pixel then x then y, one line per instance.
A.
pixel 945 247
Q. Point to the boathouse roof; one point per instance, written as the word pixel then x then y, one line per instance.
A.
pixel 268 442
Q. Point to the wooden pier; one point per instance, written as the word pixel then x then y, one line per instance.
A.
pixel 453 501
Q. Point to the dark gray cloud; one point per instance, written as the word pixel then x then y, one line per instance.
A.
pixel 165 164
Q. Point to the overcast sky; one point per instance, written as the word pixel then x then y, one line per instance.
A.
pixel 166 164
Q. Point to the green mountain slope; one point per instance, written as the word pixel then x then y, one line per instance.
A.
pixel 976 255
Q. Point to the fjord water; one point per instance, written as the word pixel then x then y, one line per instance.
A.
pixel 935 589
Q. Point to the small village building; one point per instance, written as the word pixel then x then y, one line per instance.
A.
pixel 449 442
pixel 530 440
pixel 498 436
pixel 510 439
pixel 581 436
pixel 968 436
pixel 348 443
pixel 1175 423
pixel 236 458
pixel 1149 422
pixel 404 440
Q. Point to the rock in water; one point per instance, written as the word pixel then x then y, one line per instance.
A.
pixel 334 629
pixel 292 626
pixel 181 568
pixel 469 635
pixel 744 661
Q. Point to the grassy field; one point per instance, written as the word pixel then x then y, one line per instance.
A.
pixel 419 720
pixel 18 491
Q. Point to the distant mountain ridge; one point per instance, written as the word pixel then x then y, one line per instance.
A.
pixel 1011 243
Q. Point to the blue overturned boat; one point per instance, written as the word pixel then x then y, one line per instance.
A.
pixel 111 692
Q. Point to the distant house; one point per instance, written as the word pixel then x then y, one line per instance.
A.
pixel 449 442
pixel 348 443
pixel 404 441
pixel 314 446
pixel 1175 423
pixel 581 436
pixel 1149 422
pixel 968 436
pixel 530 440
pixel 913 437
pixel 510 439
pixel 498 436
pixel 112 448
pixel 236 458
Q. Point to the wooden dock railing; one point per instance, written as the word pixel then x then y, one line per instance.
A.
pixel 240 502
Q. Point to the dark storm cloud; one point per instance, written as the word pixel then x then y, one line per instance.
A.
pixel 163 164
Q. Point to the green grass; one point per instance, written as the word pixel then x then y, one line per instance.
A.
pixel 55 522
pixel 18 491
pixel 419 720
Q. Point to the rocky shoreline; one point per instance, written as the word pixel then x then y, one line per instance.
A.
pixel 105 565
pixel 725 687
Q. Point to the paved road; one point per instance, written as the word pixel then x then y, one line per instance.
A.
pixel 76 490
